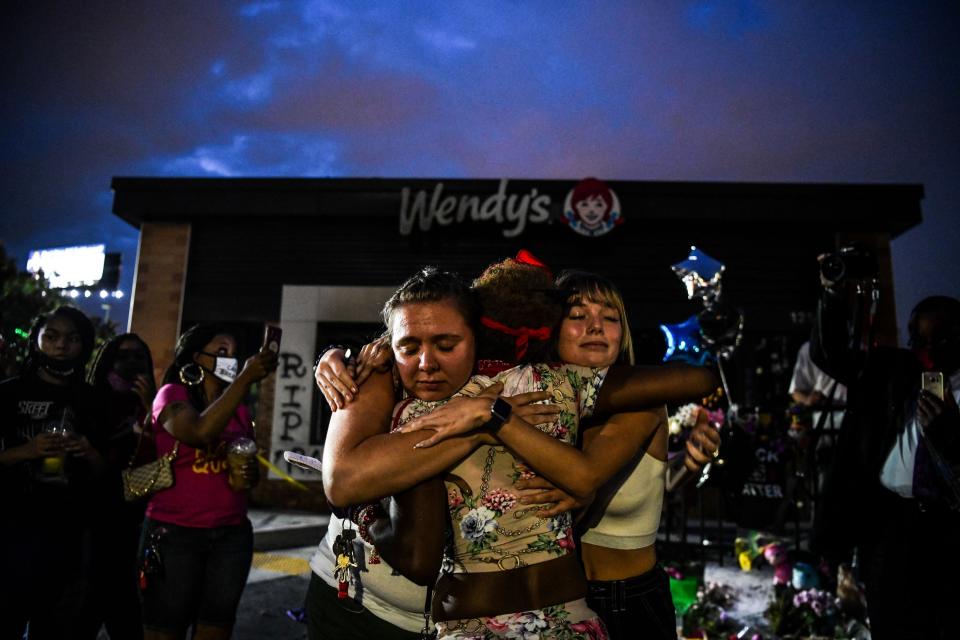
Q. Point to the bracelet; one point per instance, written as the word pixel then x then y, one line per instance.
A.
pixel 365 517
pixel 323 352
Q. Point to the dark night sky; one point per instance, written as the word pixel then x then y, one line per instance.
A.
pixel 755 91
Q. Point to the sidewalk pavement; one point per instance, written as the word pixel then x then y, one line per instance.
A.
pixel 283 543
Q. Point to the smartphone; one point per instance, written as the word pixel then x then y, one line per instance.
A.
pixel 304 462
pixel 271 338
pixel 932 381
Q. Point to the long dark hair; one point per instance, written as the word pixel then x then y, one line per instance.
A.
pixel 106 355
pixel 84 328
pixel 191 342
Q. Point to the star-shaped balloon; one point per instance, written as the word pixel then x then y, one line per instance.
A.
pixel 701 275
pixel 684 343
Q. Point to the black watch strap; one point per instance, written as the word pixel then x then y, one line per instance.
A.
pixel 500 412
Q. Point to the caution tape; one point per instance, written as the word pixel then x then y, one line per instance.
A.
pixel 283 476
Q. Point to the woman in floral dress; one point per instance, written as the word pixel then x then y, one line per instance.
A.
pixel 510 570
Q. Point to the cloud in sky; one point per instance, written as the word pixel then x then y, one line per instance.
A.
pixel 667 91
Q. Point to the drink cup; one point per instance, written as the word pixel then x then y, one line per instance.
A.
pixel 53 465
pixel 240 452
pixel 52 468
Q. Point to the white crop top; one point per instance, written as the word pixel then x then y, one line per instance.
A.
pixel 632 516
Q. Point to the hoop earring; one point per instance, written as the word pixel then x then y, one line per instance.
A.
pixel 188 377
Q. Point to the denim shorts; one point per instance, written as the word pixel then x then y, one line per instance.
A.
pixel 204 571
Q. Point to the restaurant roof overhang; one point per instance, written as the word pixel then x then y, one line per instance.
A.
pixel 893 208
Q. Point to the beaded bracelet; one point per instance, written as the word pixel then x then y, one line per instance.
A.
pixel 365 517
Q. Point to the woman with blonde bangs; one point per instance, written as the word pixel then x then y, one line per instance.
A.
pixel 478 498
pixel 627 587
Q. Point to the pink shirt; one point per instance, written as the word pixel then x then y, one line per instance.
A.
pixel 200 495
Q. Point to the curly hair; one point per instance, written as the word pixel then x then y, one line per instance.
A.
pixel 583 285
pixel 521 297
pixel 431 284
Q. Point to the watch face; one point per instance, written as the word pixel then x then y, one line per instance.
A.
pixel 501 409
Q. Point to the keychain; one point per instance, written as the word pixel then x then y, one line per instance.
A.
pixel 152 564
pixel 346 560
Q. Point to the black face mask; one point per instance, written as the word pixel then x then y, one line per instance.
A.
pixel 59 367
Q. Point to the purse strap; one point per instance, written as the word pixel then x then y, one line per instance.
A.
pixel 148 422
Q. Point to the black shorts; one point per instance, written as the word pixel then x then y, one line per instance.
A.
pixel 204 573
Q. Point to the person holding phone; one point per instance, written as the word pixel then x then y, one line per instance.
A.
pixel 122 374
pixel 893 484
pixel 198 542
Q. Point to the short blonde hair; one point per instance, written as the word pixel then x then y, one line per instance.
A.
pixel 583 285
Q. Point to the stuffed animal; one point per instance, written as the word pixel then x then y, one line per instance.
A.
pixel 779 559
pixel 805 577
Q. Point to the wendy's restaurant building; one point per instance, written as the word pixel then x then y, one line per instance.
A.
pixel 320 256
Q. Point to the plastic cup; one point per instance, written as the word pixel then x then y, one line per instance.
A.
pixel 239 453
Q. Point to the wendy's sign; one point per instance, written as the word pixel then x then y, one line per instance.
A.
pixel 513 211
pixel 591 208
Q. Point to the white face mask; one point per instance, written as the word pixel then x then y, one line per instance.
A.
pixel 225 368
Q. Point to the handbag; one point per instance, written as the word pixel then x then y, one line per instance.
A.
pixel 146 479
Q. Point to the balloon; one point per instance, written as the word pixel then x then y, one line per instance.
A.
pixel 684 342
pixel 721 327
pixel 701 275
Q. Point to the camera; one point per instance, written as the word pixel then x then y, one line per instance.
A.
pixel 852 262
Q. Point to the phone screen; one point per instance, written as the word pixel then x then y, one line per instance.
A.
pixel 932 381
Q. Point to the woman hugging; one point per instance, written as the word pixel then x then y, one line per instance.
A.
pixel 480 458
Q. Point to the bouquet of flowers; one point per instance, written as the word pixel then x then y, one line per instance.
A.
pixel 805 613
pixel 708 617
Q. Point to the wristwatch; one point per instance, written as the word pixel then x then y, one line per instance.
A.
pixel 500 412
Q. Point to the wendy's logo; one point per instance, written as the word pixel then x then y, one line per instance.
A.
pixel 591 208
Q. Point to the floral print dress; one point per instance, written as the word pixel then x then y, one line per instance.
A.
pixel 492 531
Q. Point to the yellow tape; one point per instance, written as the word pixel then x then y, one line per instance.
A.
pixel 283 476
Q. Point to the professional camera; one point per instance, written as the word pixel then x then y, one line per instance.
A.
pixel 852 262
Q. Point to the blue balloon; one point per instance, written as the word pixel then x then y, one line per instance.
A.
pixel 701 275
pixel 684 343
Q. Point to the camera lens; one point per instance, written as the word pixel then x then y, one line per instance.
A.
pixel 833 268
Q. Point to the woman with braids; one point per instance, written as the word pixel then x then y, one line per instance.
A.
pixel 199 527
pixel 510 566
pixel 49 418
pixel 122 374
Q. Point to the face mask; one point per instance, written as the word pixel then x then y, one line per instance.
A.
pixel 59 368
pixel 225 368
pixel 923 355
pixel 118 382
pixel 944 356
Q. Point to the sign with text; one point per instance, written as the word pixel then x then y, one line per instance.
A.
pixel 591 208
pixel 302 308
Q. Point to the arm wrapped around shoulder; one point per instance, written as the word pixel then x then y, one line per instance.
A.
pixel 634 388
